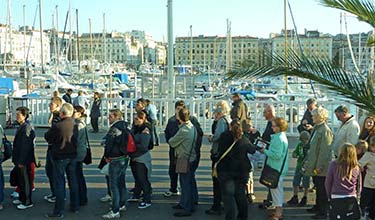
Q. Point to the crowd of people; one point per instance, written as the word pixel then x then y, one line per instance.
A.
pixel 338 164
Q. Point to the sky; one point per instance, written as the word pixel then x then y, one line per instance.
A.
pixel 257 18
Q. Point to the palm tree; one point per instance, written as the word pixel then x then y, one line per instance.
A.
pixel 352 85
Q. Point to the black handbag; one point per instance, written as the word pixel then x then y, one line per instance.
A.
pixel 270 176
pixel 88 158
pixel 13 177
pixel 344 209
pixel 7 148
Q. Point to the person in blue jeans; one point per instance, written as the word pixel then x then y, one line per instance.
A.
pixel 118 162
pixel 184 143
pixel 63 138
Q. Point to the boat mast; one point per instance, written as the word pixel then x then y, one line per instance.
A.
pixel 24 50
pixel 191 49
pixel 77 45
pixel 57 40
pixel 104 41
pixel 286 47
pixel 171 76
pixel 229 57
pixel 41 35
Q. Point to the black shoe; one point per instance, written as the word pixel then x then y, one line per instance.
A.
pixel 293 201
pixel 212 211
pixel 303 201
pixel 53 215
pixel 265 204
pixel 319 216
pixel 178 206
pixel 312 209
pixel 182 214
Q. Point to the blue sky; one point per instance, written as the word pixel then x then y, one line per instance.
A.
pixel 249 17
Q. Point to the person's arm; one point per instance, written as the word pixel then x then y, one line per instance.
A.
pixel 275 150
pixel 324 153
pixel 142 140
pixel 220 128
pixel 329 180
pixel 364 160
pixel 179 138
pixel 251 149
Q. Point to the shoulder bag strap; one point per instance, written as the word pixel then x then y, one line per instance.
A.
pixel 226 152
pixel 192 145
pixel 87 138
pixel 286 154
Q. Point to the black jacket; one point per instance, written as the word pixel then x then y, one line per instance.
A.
pixel 142 139
pixel 236 164
pixel 67 98
pixel 23 145
pixel 95 109
pixel 173 126
pixel 113 140
pixel 63 139
pixel 267 132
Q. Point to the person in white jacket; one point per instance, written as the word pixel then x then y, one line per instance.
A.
pixel 348 132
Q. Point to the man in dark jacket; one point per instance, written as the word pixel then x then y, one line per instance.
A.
pixel 170 131
pixel 64 152
pixel 22 157
pixel 118 162
pixel 54 107
pixel 307 122
pixel 95 112
pixel 239 109
pixel 68 96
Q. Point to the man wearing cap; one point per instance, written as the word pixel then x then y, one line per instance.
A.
pixel 239 109
pixel 307 122
pixel 348 132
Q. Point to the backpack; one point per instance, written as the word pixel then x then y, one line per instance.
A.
pixel 8 148
pixel 126 142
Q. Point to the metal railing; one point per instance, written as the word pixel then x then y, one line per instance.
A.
pixel 292 111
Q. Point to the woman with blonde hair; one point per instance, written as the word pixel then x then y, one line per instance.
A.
pixel 342 184
pixel 277 158
pixel 318 159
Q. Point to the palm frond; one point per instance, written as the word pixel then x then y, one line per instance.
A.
pixel 371 41
pixel 322 71
pixel 363 9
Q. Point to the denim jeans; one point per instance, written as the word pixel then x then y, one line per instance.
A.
pixel 1 184
pixel 188 189
pixel 49 171
pixel 59 169
pixel 82 188
pixel 172 171
pixel 142 182
pixel 234 197
pixel 117 171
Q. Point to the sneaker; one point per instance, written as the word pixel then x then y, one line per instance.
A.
pixel 133 199
pixel 212 211
pixel 144 205
pixel 111 215
pixel 16 202
pixel 106 198
pixel 14 195
pixel 23 207
pixel 169 194
pixel 123 208
pixel 293 201
pixel 53 215
pixel 1 207
pixel 33 189
pixel 303 201
pixel 50 198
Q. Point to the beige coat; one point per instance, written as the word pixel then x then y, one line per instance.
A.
pixel 183 141
pixel 320 155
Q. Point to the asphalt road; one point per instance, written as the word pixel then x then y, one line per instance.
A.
pixel 161 206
